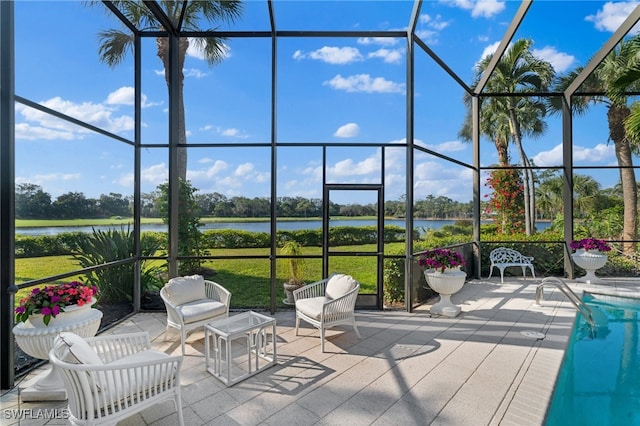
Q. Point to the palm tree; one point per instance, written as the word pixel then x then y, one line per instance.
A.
pixel 494 124
pixel 586 191
pixel 116 43
pixel 610 81
pixel 549 195
pixel 508 118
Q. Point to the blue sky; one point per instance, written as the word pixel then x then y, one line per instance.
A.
pixel 334 90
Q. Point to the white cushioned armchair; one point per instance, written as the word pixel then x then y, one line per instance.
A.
pixel 192 302
pixel 327 303
pixel 108 378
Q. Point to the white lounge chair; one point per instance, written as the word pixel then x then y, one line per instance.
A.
pixel 192 302
pixel 109 378
pixel 327 303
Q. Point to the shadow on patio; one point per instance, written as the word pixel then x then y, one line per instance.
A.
pixel 480 368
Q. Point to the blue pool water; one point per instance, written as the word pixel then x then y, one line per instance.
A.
pixel 599 381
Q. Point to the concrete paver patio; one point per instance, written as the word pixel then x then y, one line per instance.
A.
pixel 480 368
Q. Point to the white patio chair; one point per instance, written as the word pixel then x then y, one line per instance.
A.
pixel 192 302
pixel 327 303
pixel 109 378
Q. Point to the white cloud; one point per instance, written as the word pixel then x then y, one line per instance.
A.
pixel 389 56
pixel 191 72
pixel 364 83
pixel 194 72
pixel 612 15
pixel 561 61
pixel 345 168
pixel 47 125
pixel 348 130
pixel 332 55
pixel 601 153
pixel 125 96
pixel 155 174
pixel 382 41
pixel 244 170
pixel 480 8
pixel 152 175
pixel 25 131
pixel 42 179
pixel 222 177
pixel 489 50
pixel 122 96
pixel 428 36
pixel 434 22
pixel 215 169
pixel 487 8
pixel 232 132
pixel 449 146
pixel 434 25
pixel 228 132
pixel 440 179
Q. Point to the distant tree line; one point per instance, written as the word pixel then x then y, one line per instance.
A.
pixel 34 203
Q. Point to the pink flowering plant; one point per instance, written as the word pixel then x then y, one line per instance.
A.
pixel 590 244
pixel 51 300
pixel 440 259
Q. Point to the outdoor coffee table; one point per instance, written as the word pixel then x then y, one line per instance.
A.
pixel 238 347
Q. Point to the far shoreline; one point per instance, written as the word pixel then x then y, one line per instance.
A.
pixel 52 223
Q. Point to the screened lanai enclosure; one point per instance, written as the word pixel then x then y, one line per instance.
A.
pixel 258 141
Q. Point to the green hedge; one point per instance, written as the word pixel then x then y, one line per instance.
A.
pixel 45 245
pixel 63 243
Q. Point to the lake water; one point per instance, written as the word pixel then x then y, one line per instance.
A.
pixel 420 224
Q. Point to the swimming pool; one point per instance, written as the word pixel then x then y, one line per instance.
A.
pixel 599 381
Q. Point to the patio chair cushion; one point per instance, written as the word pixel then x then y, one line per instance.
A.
pixel 339 285
pixel 77 350
pixel 135 380
pixel 187 289
pixel 200 310
pixel 312 306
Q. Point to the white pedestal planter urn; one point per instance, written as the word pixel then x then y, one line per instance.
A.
pixel 36 338
pixel 590 261
pixel 443 274
pixel 445 284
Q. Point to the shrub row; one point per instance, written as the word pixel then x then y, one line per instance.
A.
pixel 46 245
pixel 64 243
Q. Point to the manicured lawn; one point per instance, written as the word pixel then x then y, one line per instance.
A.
pixel 247 279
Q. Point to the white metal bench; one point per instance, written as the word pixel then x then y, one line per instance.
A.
pixel 504 257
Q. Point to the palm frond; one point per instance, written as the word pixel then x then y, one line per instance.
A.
pixel 114 46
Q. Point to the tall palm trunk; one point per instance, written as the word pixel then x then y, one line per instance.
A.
pixel 503 152
pixel 529 196
pixel 163 53
pixel 616 115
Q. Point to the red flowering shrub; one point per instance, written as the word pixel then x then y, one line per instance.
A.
pixel 507 200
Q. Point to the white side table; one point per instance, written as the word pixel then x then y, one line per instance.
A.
pixel 243 337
